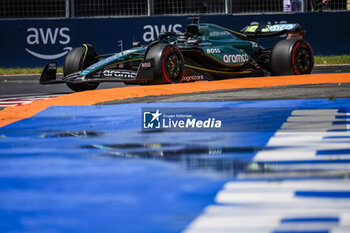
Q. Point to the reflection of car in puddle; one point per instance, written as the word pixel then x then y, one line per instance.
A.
pixel 74 134
pixel 227 160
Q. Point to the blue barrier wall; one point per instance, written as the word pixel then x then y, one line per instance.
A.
pixel 32 43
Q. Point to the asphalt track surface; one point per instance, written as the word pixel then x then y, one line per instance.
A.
pixel 28 85
pixel 71 164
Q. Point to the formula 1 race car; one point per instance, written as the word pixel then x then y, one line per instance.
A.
pixel 203 52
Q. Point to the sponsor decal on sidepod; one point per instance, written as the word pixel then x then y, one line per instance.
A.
pixel 193 78
pixel 236 58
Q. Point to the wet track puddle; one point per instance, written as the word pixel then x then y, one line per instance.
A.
pixel 231 161
pixel 67 163
pixel 265 141
pixel 226 160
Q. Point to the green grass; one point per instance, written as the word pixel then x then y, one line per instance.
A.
pixel 332 60
pixel 319 60
pixel 17 70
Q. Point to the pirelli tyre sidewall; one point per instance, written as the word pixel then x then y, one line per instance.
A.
pixel 292 57
pixel 77 60
pixel 168 63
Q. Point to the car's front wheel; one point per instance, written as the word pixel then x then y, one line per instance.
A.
pixel 168 63
pixel 77 60
pixel 292 57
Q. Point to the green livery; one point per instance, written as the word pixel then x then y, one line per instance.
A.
pixel 203 52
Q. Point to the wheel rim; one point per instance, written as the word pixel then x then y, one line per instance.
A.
pixel 173 67
pixel 303 60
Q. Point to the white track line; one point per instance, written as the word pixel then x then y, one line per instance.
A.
pixel 11 102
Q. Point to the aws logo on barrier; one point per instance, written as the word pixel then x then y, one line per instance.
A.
pixel 152 32
pixel 48 36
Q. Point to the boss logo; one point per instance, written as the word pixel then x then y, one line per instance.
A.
pixel 213 50
pixel 146 65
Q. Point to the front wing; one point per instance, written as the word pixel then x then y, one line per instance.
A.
pixel 144 73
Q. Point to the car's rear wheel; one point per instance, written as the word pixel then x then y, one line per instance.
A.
pixel 168 63
pixel 292 57
pixel 76 60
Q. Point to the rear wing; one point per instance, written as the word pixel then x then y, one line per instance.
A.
pixel 264 30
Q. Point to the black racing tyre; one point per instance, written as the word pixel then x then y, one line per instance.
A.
pixel 168 63
pixel 292 57
pixel 75 62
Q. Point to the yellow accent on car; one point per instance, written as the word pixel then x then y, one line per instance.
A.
pixel 86 50
pixel 234 32
pixel 218 71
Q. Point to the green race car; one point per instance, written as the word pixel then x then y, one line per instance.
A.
pixel 204 52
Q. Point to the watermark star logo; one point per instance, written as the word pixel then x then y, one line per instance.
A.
pixel 179 119
pixel 151 120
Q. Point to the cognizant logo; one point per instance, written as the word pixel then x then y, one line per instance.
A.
pixel 175 120
pixel 48 36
